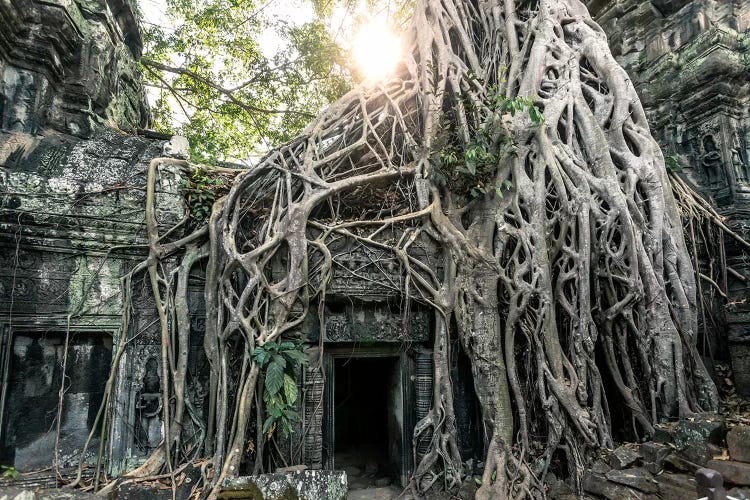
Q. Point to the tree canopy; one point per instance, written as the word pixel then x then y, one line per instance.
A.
pixel 230 93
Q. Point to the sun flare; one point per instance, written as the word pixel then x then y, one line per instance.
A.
pixel 377 50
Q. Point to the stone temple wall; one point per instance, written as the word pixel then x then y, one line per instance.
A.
pixel 689 61
pixel 68 64
pixel 72 189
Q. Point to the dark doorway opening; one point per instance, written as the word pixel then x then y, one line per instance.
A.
pixel 368 420
pixel 32 388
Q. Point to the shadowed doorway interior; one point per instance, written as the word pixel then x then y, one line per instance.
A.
pixel 368 413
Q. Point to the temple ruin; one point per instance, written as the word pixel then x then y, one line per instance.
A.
pixel 74 150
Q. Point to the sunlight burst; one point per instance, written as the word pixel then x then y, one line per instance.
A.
pixel 377 50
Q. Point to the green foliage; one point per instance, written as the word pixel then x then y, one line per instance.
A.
pixel 10 472
pixel 216 82
pixel 503 104
pixel 280 361
pixel 673 163
pixel 470 170
pixel 200 192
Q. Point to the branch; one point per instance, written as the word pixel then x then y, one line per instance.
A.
pixel 228 93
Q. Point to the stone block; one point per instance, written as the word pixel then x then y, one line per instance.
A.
pixel 297 485
pixel 709 429
pixel 598 485
pixel 676 486
pixel 738 442
pixel 654 452
pixel 622 457
pixel 634 478
pixel 697 452
pixel 740 353
pixel 733 472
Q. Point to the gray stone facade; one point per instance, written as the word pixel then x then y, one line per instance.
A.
pixel 71 226
pixel 68 65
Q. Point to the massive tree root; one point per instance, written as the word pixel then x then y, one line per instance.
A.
pixel 561 262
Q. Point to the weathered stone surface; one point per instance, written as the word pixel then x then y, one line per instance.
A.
pixel 12 493
pixel 598 485
pixel 710 484
pixel 622 457
pixel 698 430
pixel 600 467
pixel 733 472
pixel 68 65
pixel 634 478
pixel 697 452
pixel 300 485
pixel 654 452
pixel 679 463
pixel 676 486
pixel 738 442
pixel 739 493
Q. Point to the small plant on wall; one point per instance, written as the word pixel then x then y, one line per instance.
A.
pixel 280 361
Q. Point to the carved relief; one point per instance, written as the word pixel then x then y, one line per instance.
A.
pixel 148 407
pixel 739 161
pixel 712 163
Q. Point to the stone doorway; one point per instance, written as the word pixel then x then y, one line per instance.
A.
pixel 366 400
pixel 369 417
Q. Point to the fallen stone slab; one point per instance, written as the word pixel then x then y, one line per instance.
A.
pixel 622 457
pixel 676 486
pixel 598 485
pixel 732 471
pixel 634 478
pixel 296 485
pixel 738 442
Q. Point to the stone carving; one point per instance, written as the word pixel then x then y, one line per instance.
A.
pixel 375 323
pixel 738 159
pixel 63 63
pixel 713 166
pixel 149 404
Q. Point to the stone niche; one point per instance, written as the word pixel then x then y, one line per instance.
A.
pixel 32 379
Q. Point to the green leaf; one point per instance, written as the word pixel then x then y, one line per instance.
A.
pixel 290 389
pixel 267 425
pixel 274 377
pixel 260 355
pixel 295 357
